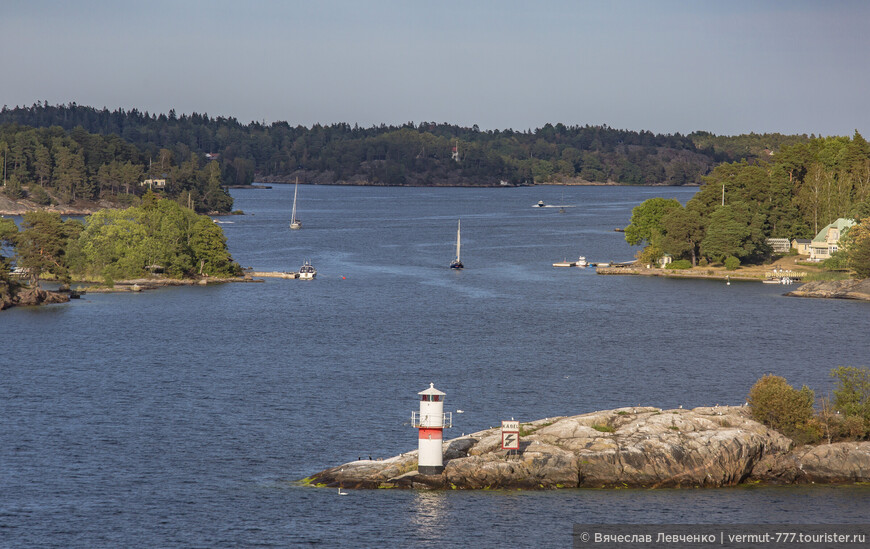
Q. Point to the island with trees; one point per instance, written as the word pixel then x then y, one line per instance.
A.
pixel 160 240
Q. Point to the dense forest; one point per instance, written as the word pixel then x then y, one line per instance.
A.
pixel 427 153
pixel 53 165
pixel 794 193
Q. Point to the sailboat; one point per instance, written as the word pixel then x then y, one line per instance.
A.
pixel 295 223
pixel 457 263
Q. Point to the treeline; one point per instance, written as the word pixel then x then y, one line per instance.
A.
pixel 54 165
pixel 158 237
pixel 427 153
pixel 794 194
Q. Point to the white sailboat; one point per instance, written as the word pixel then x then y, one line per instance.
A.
pixel 457 263
pixel 295 223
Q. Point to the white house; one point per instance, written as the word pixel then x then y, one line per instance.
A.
pixel 154 183
pixel 827 241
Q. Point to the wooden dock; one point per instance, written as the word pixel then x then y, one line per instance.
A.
pixel 701 273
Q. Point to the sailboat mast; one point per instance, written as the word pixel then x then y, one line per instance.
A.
pixel 295 191
pixel 458 241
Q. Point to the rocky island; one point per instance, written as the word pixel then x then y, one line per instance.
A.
pixel 638 447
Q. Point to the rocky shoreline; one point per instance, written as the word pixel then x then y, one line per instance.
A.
pixel 639 447
pixel 836 289
pixel 32 296
pixel 28 296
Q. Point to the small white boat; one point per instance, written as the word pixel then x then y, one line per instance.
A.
pixel 540 204
pixel 307 271
pixel 581 262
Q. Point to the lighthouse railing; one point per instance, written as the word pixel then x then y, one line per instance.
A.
pixel 432 420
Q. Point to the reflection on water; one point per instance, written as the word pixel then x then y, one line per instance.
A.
pixel 430 512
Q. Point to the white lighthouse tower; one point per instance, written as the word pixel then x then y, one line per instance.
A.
pixel 430 421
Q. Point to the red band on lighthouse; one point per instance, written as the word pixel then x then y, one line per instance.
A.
pixel 430 433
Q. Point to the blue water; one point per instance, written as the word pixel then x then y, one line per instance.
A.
pixel 181 417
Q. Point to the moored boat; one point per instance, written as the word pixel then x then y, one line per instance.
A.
pixel 307 271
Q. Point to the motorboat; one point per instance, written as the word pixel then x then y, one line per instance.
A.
pixel 307 271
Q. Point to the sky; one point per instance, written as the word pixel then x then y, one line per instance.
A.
pixel 665 66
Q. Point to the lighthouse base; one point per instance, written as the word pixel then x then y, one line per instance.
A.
pixel 430 469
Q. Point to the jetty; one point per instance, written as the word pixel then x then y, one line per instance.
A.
pixel 273 274
pixel 747 273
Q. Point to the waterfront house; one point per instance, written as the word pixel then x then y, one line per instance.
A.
pixel 779 245
pixel 665 260
pixel 154 184
pixel 827 241
pixel 802 245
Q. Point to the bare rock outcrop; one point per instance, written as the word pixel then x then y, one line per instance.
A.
pixel 628 447
pixel 826 463
pixel 34 296
pixel 839 289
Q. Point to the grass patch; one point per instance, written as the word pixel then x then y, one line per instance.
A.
pixel 825 276
pixel 622 413
pixel 603 428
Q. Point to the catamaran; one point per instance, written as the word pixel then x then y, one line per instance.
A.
pixel 295 223
pixel 457 263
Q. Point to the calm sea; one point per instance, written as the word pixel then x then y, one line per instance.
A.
pixel 181 417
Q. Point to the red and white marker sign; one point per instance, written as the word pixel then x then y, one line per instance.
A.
pixel 510 435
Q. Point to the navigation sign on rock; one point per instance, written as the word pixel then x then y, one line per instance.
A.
pixel 510 435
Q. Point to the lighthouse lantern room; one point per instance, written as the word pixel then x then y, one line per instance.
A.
pixel 430 421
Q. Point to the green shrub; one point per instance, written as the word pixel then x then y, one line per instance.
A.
pixel 851 428
pixel 38 195
pixel 731 263
pixel 13 189
pixel 679 264
pixel 775 403
pixel 839 261
pixel 852 395
pixel 703 262
pixel 603 428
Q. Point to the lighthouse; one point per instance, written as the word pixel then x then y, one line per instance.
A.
pixel 430 421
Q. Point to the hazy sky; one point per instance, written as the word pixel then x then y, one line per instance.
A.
pixel 727 67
